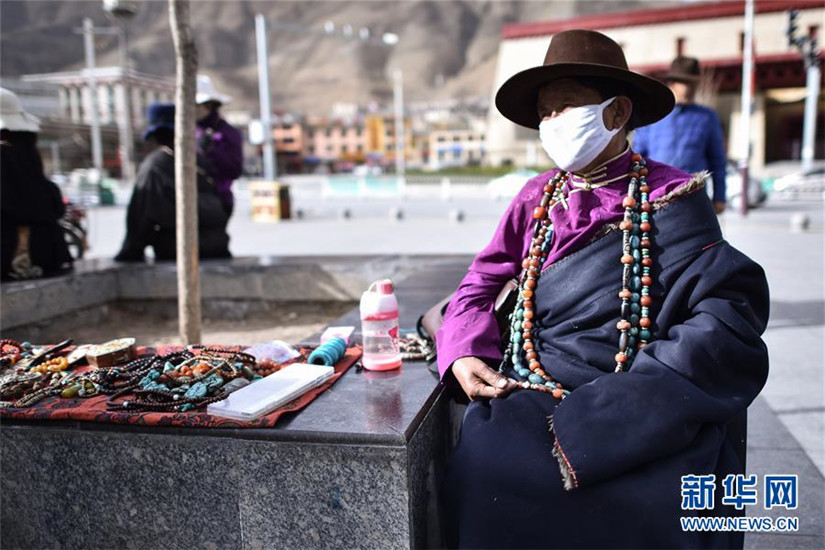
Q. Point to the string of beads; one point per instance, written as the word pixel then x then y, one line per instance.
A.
pixel 635 321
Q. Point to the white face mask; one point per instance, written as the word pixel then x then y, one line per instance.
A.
pixel 575 138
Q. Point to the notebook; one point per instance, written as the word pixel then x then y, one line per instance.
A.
pixel 267 394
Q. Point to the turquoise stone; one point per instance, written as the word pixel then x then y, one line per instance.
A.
pixel 524 373
pixel 168 366
pixel 631 342
pixel 634 308
pixel 197 390
pixel 635 230
pixel 520 314
pixel 634 217
pixel 635 241
pixel 646 311
pixel 633 331
pixel 636 282
pixel 634 320
pixel 636 268
pixel 634 297
pixel 637 255
pixel 517 338
pixel 535 379
pixel 644 334
pixel 517 326
pixel 645 216
pixel 186 407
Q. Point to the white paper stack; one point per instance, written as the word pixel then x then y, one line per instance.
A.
pixel 267 394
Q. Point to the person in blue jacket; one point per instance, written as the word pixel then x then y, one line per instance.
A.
pixel 690 137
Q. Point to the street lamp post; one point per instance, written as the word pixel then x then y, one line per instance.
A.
pixel 121 12
pixel 91 82
pixel 807 46
pixel 270 163
pixel 747 99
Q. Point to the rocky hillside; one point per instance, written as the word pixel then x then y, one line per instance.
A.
pixel 447 49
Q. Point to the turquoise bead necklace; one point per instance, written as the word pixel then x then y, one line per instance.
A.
pixel 635 321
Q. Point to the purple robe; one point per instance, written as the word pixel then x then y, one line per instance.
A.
pixel 470 327
pixel 220 148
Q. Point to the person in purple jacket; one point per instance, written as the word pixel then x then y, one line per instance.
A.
pixel 220 146
pixel 617 393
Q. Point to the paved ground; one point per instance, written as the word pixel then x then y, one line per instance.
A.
pixel 786 423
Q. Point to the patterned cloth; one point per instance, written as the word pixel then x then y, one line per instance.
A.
pixel 93 409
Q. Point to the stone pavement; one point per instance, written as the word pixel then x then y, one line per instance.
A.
pixel 786 422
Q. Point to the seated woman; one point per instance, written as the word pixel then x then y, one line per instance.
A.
pixel 635 339
pixel 150 218
pixel 32 243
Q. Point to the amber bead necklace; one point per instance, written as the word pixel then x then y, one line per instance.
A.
pixel 635 321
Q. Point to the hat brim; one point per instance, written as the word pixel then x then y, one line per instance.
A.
pixel 201 98
pixel 22 122
pixel 518 96
pixel 154 128
pixel 683 77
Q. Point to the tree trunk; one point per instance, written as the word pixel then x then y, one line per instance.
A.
pixel 186 189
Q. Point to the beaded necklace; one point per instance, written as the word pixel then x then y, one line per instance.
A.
pixel 635 322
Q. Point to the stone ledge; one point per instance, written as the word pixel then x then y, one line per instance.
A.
pixel 334 278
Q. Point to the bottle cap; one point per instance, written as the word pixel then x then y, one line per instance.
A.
pixel 385 287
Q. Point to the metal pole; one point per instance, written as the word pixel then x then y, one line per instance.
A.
pixel 91 82
pixel 54 147
pixel 186 190
pixel 747 100
pixel 126 134
pixel 398 96
pixel 270 168
pixel 809 121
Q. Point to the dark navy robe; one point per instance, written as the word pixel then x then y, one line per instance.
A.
pixel 620 441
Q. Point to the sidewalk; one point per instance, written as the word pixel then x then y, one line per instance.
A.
pixel 786 422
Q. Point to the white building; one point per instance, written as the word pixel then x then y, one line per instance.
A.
pixel 711 32
pixel 448 148
pixel 76 100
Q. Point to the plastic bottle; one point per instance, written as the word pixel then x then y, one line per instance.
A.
pixel 379 327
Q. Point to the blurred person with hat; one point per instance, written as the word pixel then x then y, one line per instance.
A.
pixel 690 137
pixel 634 341
pixel 151 217
pixel 31 205
pixel 220 146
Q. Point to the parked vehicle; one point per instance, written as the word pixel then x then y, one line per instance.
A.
pixel 804 183
pixel 733 192
pixel 74 228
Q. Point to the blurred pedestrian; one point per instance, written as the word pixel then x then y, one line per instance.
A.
pixel 150 219
pixel 690 137
pixel 220 145
pixel 33 244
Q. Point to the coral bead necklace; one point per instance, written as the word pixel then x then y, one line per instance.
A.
pixel 634 324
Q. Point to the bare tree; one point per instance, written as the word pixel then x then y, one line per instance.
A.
pixel 186 189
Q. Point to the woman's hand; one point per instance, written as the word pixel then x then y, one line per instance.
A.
pixel 479 380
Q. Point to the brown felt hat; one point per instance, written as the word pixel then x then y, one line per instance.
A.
pixel 582 53
pixel 684 69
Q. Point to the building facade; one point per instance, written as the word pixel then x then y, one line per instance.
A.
pixel 711 32
pixel 449 148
